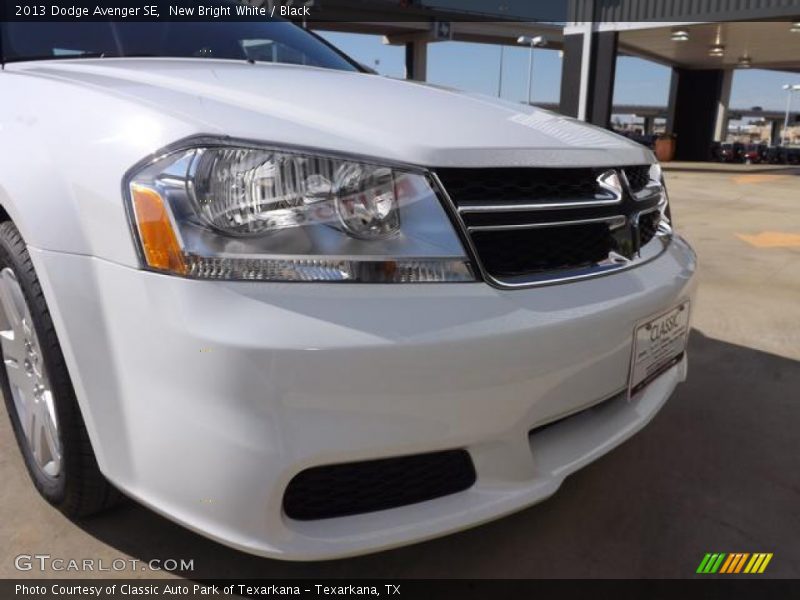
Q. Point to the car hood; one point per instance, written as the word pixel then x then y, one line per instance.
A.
pixel 347 112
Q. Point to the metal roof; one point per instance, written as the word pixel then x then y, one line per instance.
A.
pixel 764 44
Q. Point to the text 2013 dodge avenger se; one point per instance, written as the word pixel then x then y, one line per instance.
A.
pixel 309 311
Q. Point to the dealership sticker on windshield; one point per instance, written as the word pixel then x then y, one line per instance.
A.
pixel 658 344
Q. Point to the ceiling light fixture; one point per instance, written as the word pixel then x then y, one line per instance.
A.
pixel 680 35
pixel 745 62
pixel 795 28
pixel 716 50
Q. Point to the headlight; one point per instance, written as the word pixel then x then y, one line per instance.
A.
pixel 218 211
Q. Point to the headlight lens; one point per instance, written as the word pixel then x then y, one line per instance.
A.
pixel 224 212
pixel 250 191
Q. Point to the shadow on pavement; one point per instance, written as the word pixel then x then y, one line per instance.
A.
pixel 718 470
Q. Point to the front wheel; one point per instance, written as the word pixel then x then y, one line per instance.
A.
pixel 38 392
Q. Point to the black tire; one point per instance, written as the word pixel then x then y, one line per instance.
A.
pixel 79 489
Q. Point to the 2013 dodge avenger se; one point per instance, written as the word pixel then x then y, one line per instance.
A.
pixel 309 311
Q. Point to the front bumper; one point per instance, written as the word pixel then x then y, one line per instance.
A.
pixel 203 399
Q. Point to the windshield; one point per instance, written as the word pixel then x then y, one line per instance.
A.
pixel 268 41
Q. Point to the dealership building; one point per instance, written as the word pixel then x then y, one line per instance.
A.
pixel 703 42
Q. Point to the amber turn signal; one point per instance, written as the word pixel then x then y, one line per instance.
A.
pixel 162 251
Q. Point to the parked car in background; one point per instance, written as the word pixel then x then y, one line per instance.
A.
pixel 782 155
pixel 308 311
pixel 774 155
pixel 731 153
pixel 755 154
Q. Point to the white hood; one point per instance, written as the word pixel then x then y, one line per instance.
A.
pixel 348 112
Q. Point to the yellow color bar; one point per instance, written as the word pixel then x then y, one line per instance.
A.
pixel 765 563
pixel 758 563
pixel 755 558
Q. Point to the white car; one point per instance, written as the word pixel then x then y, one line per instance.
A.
pixel 309 311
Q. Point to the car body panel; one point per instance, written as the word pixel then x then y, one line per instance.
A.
pixel 202 399
pixel 239 386
pixel 347 112
pixel 130 109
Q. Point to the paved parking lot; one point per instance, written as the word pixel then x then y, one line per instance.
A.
pixel 718 470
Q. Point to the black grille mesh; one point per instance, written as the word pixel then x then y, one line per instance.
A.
pixel 515 241
pixel 515 253
pixel 648 226
pixel 638 177
pixel 510 185
pixel 360 487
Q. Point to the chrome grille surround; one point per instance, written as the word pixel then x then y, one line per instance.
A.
pixel 634 218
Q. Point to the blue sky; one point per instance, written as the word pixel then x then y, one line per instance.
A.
pixel 475 67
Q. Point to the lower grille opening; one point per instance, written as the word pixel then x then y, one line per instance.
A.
pixel 525 251
pixel 354 488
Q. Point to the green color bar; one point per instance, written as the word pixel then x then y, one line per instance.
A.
pixel 717 564
pixel 703 563
pixel 711 562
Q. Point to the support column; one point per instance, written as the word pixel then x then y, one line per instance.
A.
pixel 775 133
pixel 721 124
pixel 569 103
pixel 603 70
pixel 649 125
pixel 416 60
pixel 693 111
pixel 587 75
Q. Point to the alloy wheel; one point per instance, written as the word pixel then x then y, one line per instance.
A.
pixel 27 376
